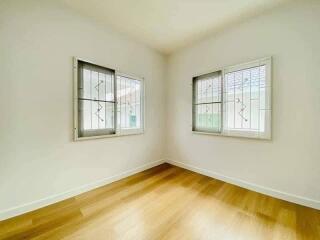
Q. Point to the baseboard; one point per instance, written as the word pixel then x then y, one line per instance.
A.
pixel 15 211
pixel 251 186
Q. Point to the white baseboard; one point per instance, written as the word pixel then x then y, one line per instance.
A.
pixel 251 186
pixel 15 211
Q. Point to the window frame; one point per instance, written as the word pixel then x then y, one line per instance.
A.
pixel 118 131
pixel 267 134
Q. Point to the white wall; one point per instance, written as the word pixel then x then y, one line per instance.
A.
pixel 290 163
pixel 38 158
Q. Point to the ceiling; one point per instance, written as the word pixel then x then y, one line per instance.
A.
pixel 168 25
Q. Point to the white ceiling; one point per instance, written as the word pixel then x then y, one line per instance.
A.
pixel 168 25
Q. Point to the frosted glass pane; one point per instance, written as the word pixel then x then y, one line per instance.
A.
pixel 86 114
pixel 246 100
pixel 86 85
pixel 138 115
pixel 109 88
pixel 208 116
pixel 102 86
pixel 262 120
pixel 230 114
pixel 230 83
pixel 255 114
pixel 102 115
pixel 216 91
pixel 208 89
pixel 262 75
pixel 265 98
pixel 109 115
pixel 94 85
pixel 94 115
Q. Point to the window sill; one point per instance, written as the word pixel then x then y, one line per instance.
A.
pixel 207 133
pixel 232 135
pixel 120 134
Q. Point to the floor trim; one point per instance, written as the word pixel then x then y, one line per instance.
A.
pixel 251 186
pixel 15 211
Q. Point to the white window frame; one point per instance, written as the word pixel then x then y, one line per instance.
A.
pixel 118 130
pixel 267 61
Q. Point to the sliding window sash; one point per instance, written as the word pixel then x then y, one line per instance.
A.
pixel 95 101
pixel 204 85
pixel 263 128
pixel 135 88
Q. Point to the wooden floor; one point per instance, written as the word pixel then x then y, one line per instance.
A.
pixel 167 202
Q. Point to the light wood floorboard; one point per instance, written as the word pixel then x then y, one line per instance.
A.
pixel 167 202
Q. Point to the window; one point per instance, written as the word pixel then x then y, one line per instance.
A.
pixel 235 101
pixel 107 103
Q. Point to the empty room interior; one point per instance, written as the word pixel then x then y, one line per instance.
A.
pixel 160 119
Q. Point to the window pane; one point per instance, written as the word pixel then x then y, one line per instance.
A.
pixel 230 112
pixel 129 102
pixel 96 115
pixel 85 84
pixel 85 114
pixel 109 118
pixel 207 117
pixel 110 87
pixel 208 88
pixel 246 99
pixel 101 86
pixel 96 84
pixel 255 114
